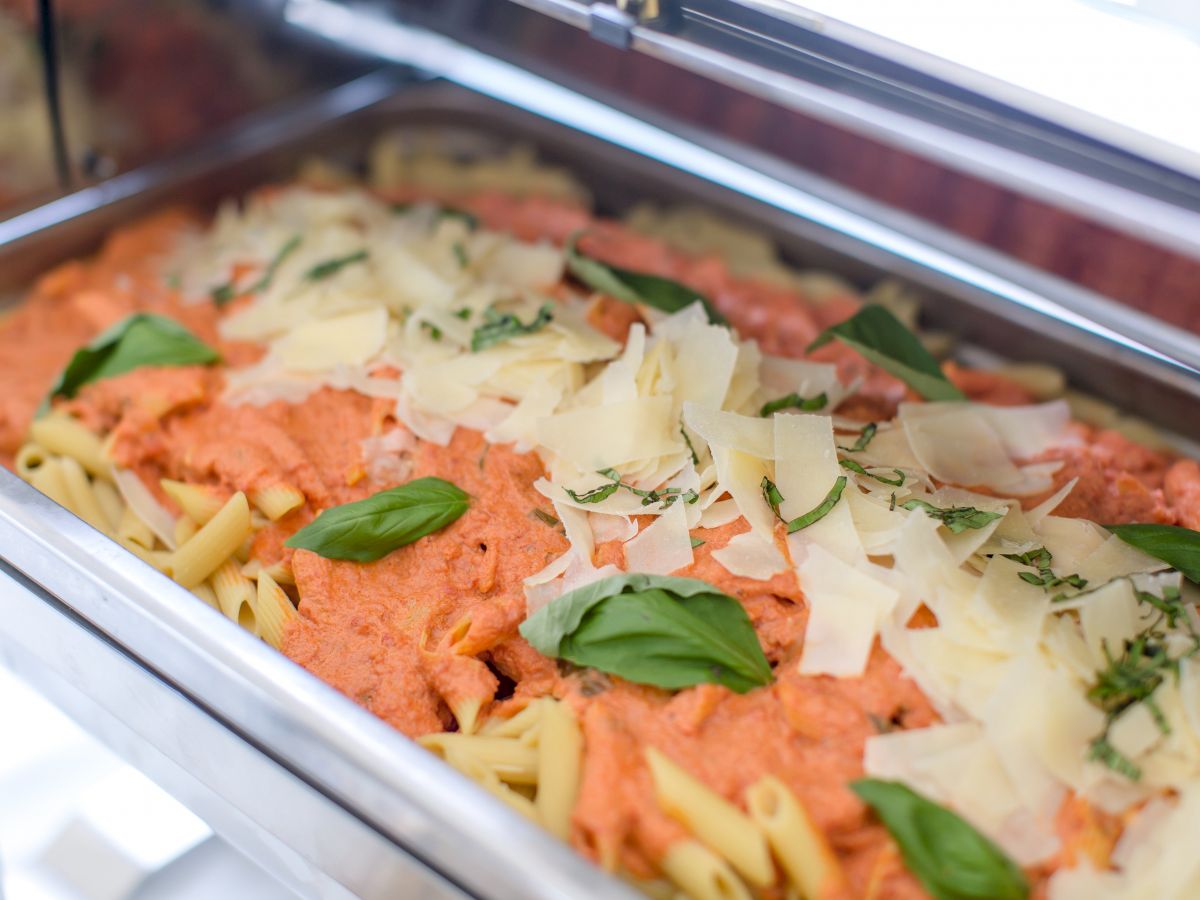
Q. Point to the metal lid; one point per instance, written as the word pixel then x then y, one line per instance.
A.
pixel 1086 104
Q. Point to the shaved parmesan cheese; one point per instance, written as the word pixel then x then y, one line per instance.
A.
pixel 388 457
pixel 846 607
pixel 663 547
pixel 1051 503
pixel 579 530
pixel 750 556
pixel 140 499
pixel 607 528
pixel 741 475
pixel 720 513
pixel 1070 541
pixel 751 435
pixel 545 586
pixel 350 340
pixel 1029 431
pixel 806 468
pixel 705 356
pixel 958 443
pixel 519 265
pixel 1115 558
pixel 611 435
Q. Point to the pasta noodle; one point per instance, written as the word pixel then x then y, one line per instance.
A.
pixel 799 845
pixel 79 489
pixel 711 818
pixel 511 760
pixel 560 750
pixel 67 437
pixel 49 479
pixel 236 595
pixel 275 610
pixel 199 503
pixel 208 595
pixel 185 527
pixel 702 874
pixel 29 458
pixel 276 501
pixel 483 775
pixel 110 502
pixel 131 530
pixel 213 544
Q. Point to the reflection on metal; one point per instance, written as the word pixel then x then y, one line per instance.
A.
pixel 788 56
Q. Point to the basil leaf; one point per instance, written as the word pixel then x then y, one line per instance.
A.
pixel 821 510
pixel 810 404
pixel 228 291
pixel 498 328
pixel 861 470
pixel 951 859
pixel 635 287
pixel 369 529
pixel 444 212
pixel 1176 546
pixel 956 518
pixel 698 542
pixel 143 339
pixel 883 340
pixel 864 438
pixel 324 270
pixel 669 632
pixel 595 495
pixel 771 494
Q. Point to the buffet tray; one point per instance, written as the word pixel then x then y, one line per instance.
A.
pixel 317 790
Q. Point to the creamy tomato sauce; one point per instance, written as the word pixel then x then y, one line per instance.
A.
pixel 435 620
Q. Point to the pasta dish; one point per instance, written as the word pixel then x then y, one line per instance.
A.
pixel 711 567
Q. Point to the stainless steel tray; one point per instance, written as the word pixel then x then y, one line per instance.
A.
pixel 322 793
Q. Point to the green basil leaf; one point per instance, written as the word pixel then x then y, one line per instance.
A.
pixel 881 338
pixel 330 267
pixel 143 339
pixel 821 510
pixel 1178 547
pixel 228 291
pixel 635 287
pixel 498 328
pixel 770 492
pixel 444 212
pixel 864 438
pixel 669 632
pixel 956 518
pixel 861 470
pixel 698 542
pixel 806 404
pixel 951 859
pixel 369 529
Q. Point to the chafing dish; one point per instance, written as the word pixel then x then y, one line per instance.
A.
pixel 328 798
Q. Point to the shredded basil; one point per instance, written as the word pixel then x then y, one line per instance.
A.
pixel 460 254
pixel 821 510
pixel 500 327
pixel 368 529
pixel 634 287
pixel 691 449
pixel 1176 546
pixel 794 400
pixel 864 438
pixel 882 339
pixel 853 466
pixel 698 542
pixel 669 632
pixel 143 339
pixel 956 518
pixel 771 495
pixel 330 267
pixel 950 858
pixel 545 517
pixel 226 292
pixel 1041 559
pixel 665 496
pixel 434 331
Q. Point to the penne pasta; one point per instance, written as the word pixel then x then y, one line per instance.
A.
pixel 185 527
pixel 110 502
pixel 65 436
pixel 702 874
pixel 801 848
pixel 560 757
pixel 213 544
pixel 208 595
pixel 29 458
pixel 236 595
pixel 199 502
pixel 485 777
pixel 466 713
pixel 511 760
pixel 49 479
pixel 275 610
pixel 79 489
pixel 711 818
pixel 276 501
pixel 132 530
pixel 523 726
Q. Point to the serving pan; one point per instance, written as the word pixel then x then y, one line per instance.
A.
pixel 317 790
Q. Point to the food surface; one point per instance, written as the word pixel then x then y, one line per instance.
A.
pixel 704 564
